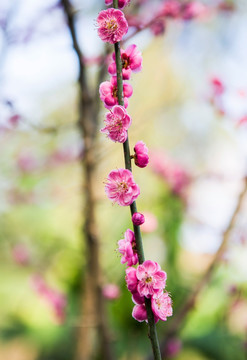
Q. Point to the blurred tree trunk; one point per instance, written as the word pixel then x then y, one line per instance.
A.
pixel 92 336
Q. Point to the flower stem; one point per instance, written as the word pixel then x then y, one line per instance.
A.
pixel 133 208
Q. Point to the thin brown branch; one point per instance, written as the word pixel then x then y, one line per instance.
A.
pixel 141 28
pixel 179 318
pixel 191 300
pixel 91 341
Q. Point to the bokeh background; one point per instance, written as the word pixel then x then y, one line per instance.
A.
pixel 189 106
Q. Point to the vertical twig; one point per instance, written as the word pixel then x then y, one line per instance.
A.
pixel 151 323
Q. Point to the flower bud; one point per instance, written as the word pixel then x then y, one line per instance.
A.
pixel 138 219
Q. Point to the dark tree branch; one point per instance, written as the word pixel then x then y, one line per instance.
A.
pixel 180 317
pixel 93 338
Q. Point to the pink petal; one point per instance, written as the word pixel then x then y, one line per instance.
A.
pixel 139 313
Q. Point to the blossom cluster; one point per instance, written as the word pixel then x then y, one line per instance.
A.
pixel 112 26
pixel 147 281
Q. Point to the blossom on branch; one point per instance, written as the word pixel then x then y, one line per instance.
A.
pixel 141 154
pixel 112 25
pixel 139 312
pixel 127 247
pixel 117 122
pixel 148 280
pixel 162 306
pixel 131 279
pixel 138 219
pixel 121 3
pixel 151 279
pixel 109 92
pixel 121 187
pixel 131 61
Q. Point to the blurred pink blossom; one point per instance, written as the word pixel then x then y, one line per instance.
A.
pixel 193 9
pixel 173 173
pixel 242 120
pixel 170 8
pixel 26 162
pixel 14 119
pixel 217 86
pixel 173 347
pixel 21 254
pixel 134 21
pixel 226 6
pixel 158 27
pixel 150 223
pixel 111 291
pixel 62 156
pixel 55 299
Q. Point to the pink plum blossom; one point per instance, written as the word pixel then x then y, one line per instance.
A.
pixel 139 313
pixel 151 222
pixel 162 306
pixel 111 291
pixel 127 247
pixel 112 25
pixel 141 154
pixel 121 3
pixel 138 219
pixel 108 92
pixel 131 61
pixel 137 298
pixel 121 187
pixel 151 279
pixel 131 279
pixel 117 122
